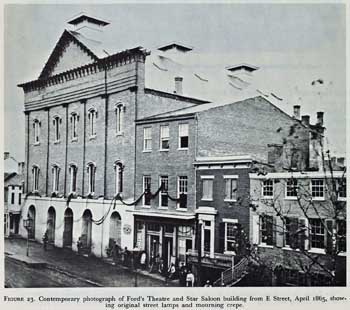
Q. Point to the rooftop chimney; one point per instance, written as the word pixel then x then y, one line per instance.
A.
pixel 305 119
pixel 6 155
pixel 274 153
pixel 296 111
pixel 320 118
pixel 21 168
pixel 333 161
pixel 341 161
pixel 178 85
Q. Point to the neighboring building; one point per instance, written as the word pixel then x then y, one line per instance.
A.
pixel 13 197
pixel 220 140
pixel 298 220
pixel 222 199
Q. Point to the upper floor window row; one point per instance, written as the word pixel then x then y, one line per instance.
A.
pixel 165 137
pixel 316 189
pixel 181 196
pixel 230 193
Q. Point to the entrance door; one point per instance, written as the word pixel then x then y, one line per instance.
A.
pixel 153 249
pixel 51 225
pixel 86 230
pixel 31 215
pixel 115 229
pixel 168 251
pixel 68 228
pixel 206 240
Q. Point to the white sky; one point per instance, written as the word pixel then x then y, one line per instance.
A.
pixel 296 43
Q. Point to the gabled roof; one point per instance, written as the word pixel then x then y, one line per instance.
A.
pixel 247 67
pixel 14 179
pixel 195 109
pixel 176 45
pixel 83 17
pixel 66 37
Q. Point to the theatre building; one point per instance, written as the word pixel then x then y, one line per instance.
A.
pixel 139 148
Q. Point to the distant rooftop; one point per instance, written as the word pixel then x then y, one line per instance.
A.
pixel 244 66
pixel 175 45
pixel 83 17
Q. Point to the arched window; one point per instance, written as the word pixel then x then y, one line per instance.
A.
pixel 118 167
pixel 119 111
pixel 91 170
pixel 74 117
pixel 35 173
pixel 92 115
pixel 55 178
pixel 73 178
pixel 56 125
pixel 36 127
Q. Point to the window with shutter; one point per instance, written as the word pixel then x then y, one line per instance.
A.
pixel 207 189
pixel 266 230
pixel 183 136
pixel 330 243
pixel 147 139
pixel 317 234
pixel 164 137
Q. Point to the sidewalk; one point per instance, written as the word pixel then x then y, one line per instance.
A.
pixel 98 271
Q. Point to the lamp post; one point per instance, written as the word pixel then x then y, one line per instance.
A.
pixel 199 223
pixel 135 251
pixel 28 225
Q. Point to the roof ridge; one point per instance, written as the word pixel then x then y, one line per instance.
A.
pixel 58 50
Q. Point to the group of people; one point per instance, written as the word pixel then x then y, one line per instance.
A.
pixel 156 264
pixel 120 255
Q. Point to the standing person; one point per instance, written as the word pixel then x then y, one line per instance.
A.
pixel 79 245
pixel 115 252
pixel 190 279
pixel 126 257
pixel 45 240
pixel 182 274
pixel 143 260
pixel 172 271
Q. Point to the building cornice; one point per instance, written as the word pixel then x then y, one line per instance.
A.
pixel 298 175
pixel 107 63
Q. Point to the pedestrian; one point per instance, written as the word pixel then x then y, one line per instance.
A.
pixel 161 267
pixel 79 245
pixel 143 260
pixel 172 271
pixel 115 252
pixel 190 279
pixel 45 240
pixel 182 274
pixel 126 257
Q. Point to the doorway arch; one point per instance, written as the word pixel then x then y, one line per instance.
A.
pixel 115 229
pixel 51 225
pixel 68 228
pixel 86 230
pixel 31 215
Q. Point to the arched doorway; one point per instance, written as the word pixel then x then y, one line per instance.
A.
pixel 51 225
pixel 31 215
pixel 86 230
pixel 115 229
pixel 68 228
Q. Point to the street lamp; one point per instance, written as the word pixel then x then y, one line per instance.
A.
pixel 28 225
pixel 199 243
pixel 135 251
